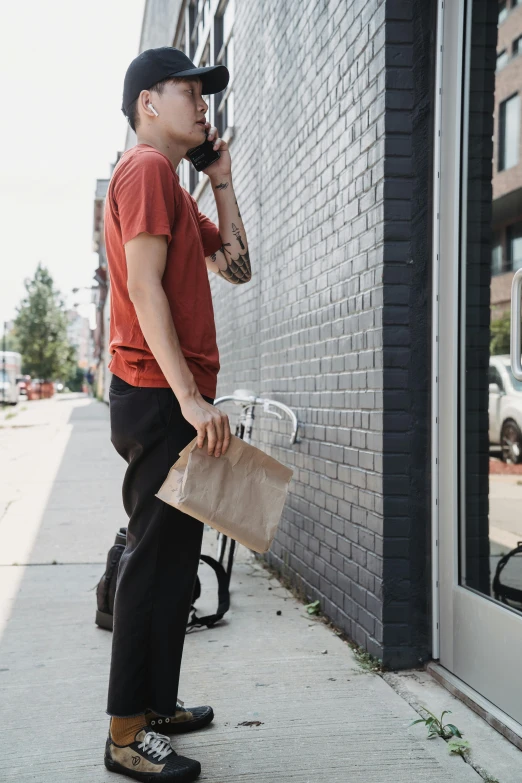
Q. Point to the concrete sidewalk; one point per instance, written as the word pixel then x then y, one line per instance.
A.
pixel 321 715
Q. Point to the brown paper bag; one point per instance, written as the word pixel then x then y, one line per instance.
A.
pixel 241 493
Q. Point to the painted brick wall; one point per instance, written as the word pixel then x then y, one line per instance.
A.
pixel 308 170
pixel 331 167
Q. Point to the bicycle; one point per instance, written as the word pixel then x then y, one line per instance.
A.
pixel 248 401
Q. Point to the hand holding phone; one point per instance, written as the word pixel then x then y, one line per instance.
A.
pixel 203 155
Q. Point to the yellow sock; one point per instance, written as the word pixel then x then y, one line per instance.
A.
pixel 123 730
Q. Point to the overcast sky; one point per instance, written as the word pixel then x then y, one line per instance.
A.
pixel 62 65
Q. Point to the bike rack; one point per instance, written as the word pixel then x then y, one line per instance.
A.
pixel 247 399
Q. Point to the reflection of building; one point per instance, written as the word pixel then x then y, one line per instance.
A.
pixel 507 158
pixel 79 335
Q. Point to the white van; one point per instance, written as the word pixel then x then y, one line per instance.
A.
pixel 10 369
pixel 505 409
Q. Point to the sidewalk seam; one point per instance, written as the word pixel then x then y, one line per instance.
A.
pixel 401 690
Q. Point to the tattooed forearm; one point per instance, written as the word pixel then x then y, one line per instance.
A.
pixel 233 237
pixel 238 269
pixel 237 235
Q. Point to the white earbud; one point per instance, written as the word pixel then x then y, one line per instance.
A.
pixel 153 109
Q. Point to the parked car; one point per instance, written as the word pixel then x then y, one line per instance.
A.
pixel 7 392
pixel 505 409
pixel 23 382
pixel 10 369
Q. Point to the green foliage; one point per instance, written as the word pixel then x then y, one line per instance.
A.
pixel 500 331
pixel 459 746
pixel 41 330
pixel 314 607
pixel 365 659
pixel 76 380
pixel 11 342
pixel 436 726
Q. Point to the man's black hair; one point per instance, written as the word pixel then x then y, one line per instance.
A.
pixel 133 116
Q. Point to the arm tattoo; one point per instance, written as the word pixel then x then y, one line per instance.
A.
pixel 238 269
pixel 222 186
pixel 238 212
pixel 237 235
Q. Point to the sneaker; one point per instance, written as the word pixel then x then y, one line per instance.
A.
pixel 150 757
pixel 185 719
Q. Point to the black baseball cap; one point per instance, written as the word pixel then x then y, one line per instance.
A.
pixel 154 65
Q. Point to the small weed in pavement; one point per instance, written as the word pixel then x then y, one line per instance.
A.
pixel 437 728
pixel 459 747
pixel 365 659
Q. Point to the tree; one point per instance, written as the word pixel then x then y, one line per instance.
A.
pixel 76 380
pixel 500 335
pixel 11 341
pixel 41 330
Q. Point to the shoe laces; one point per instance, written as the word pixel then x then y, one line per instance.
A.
pixel 156 745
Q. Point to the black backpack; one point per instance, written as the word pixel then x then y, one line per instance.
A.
pixel 106 589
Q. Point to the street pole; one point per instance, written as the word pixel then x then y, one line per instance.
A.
pixel 3 365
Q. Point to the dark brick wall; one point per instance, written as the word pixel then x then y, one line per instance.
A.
pixel 406 594
pixel 331 167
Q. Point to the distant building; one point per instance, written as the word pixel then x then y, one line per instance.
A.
pixel 79 335
pixel 102 291
pixel 102 294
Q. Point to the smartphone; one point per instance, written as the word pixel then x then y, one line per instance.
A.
pixel 203 155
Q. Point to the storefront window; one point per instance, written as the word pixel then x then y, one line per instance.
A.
pixel 490 427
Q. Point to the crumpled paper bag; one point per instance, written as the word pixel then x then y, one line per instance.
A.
pixel 241 493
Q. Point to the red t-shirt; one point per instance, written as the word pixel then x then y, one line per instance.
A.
pixel 145 194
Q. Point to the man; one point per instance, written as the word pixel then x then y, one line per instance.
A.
pixel 165 363
pixel 89 377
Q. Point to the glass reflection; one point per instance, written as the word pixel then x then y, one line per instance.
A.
pixel 491 251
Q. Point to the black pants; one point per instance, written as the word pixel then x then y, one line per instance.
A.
pixel 158 568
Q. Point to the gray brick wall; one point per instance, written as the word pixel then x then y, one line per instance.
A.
pixel 331 167
pixel 308 170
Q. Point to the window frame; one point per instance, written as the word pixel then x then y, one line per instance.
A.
pixel 505 61
pixel 502 111
pixel 199 24
pixel 513 232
